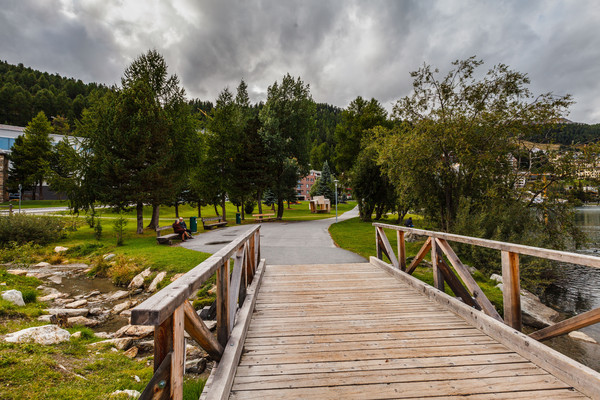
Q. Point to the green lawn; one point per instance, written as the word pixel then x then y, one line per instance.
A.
pixel 359 237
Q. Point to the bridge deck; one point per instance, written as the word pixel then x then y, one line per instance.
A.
pixel 351 331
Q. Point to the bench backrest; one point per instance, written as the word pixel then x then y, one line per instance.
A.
pixel 212 219
pixel 162 228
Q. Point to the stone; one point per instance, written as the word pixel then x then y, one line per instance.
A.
pixel 195 366
pixel 76 335
pixel 77 304
pixel 131 393
pixel 47 334
pixel 39 275
pixel 211 325
pixel 19 272
pixel 120 343
pixel 14 296
pixel 103 335
pixel 96 311
pixel 57 279
pixel 92 294
pixel 136 331
pixel 83 321
pixel 577 335
pixel 125 313
pixel 534 312
pixel 157 279
pixel 2 283
pixel 109 256
pixel 497 278
pixel 131 353
pixel 52 296
pixel 69 312
pixel 138 280
pixel 42 264
pixel 60 249
pixel 45 318
pixel 118 295
pixel 176 276
pixel 193 352
pixel 146 346
pixel 123 306
pixel 213 289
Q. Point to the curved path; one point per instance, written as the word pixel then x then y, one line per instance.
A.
pixel 285 243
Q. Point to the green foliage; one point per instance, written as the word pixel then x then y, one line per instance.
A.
pixel 249 207
pixel 19 255
pixel 82 250
pixel 91 219
pixel 98 230
pixel 324 185
pixel 119 228
pixel 22 228
pixel 29 295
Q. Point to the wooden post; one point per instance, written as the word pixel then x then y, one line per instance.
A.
pixel 378 245
pixel 223 303
pixel 401 250
pixel 511 290
pixel 178 359
pixel 163 341
pixel 438 275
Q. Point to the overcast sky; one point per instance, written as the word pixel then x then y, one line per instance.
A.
pixel 343 49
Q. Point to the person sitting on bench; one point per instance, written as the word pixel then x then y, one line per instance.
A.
pixel 182 223
pixel 408 223
pixel 181 231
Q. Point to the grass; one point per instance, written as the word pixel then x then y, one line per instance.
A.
pixel 359 237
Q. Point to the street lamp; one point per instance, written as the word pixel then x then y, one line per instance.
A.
pixel 336 182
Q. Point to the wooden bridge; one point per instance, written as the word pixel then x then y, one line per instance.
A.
pixel 364 331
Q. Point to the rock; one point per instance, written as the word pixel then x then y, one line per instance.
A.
pixel 118 295
pixel 109 256
pixel 411 237
pixel 76 335
pixel 176 276
pixel 76 304
pixel 131 393
pixel 136 331
pixel 146 346
pixel 125 313
pixel 123 306
pixel 213 289
pixel 52 296
pixel 69 312
pixel 158 279
pixel 497 278
pixel 534 312
pixel 577 335
pixel 63 301
pixel 120 343
pixel 47 334
pixel 211 325
pixel 131 353
pixel 2 283
pixel 60 249
pixel 103 335
pixel 193 352
pixel 39 275
pixel 14 296
pixel 57 279
pixel 83 321
pixel 96 311
pixel 19 272
pixel 195 366
pixel 45 318
pixel 138 281
pixel 42 264
pixel 92 294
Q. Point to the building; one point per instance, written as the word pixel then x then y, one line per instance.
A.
pixel 304 184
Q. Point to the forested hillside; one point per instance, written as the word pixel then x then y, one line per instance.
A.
pixel 24 92
pixel 569 134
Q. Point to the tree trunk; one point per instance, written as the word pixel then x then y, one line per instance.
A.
pixel 154 220
pixel 199 210
pixel 216 210
pixel 289 205
pixel 176 209
pixel 41 190
pixel 140 217
pixel 259 202
pixel 279 208
pixel 243 207
pixel 223 207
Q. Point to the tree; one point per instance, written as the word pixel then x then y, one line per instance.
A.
pixel 287 120
pixel 31 154
pixel 453 147
pixel 324 185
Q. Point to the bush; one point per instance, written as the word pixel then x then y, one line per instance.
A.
pixel 29 295
pixel 21 228
pixel 19 255
pixel 119 227
pixel 249 207
pixel 98 230
pixel 83 250
pixel 123 270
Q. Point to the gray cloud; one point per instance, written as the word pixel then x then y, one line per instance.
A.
pixel 343 49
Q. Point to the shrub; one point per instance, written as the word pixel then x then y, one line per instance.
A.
pixel 249 207
pixel 29 295
pixel 82 250
pixel 55 259
pixel 19 255
pixel 119 228
pixel 21 228
pixel 123 270
pixel 98 230
pixel 100 268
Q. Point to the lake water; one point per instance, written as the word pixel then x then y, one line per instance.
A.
pixel 579 291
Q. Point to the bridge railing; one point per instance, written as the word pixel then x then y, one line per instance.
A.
pixel 468 290
pixel 172 314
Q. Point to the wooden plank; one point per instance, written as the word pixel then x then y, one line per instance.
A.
pixel 419 257
pixel 466 277
pixel 459 387
pixel 455 284
pixel 200 332
pixel 158 388
pixel 580 321
pixel 438 276
pixel 163 341
pixel 401 250
pixel 178 358
pixel 573 373
pixel 511 290
pixel 159 307
pixel 556 255
pixel 234 286
pixel 224 372
pixel 387 248
pixel 223 328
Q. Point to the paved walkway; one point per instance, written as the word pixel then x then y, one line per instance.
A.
pixel 285 243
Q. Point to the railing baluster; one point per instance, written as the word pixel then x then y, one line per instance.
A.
pixel 178 359
pixel 438 275
pixel 511 290
pixel 223 303
pixel 401 250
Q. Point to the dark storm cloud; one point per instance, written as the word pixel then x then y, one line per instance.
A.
pixel 343 49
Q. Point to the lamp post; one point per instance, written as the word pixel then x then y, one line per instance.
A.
pixel 336 182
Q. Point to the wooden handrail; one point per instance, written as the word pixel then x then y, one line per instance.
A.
pixel 171 313
pixel 437 244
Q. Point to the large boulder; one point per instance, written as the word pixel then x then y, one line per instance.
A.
pixel 60 249
pixel 158 279
pixel 138 281
pixel 47 334
pixel 14 296
pixel 135 331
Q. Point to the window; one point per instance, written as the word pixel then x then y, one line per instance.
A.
pixel 5 143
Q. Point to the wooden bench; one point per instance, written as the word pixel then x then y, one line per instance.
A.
pixel 264 217
pixel 209 225
pixel 165 239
